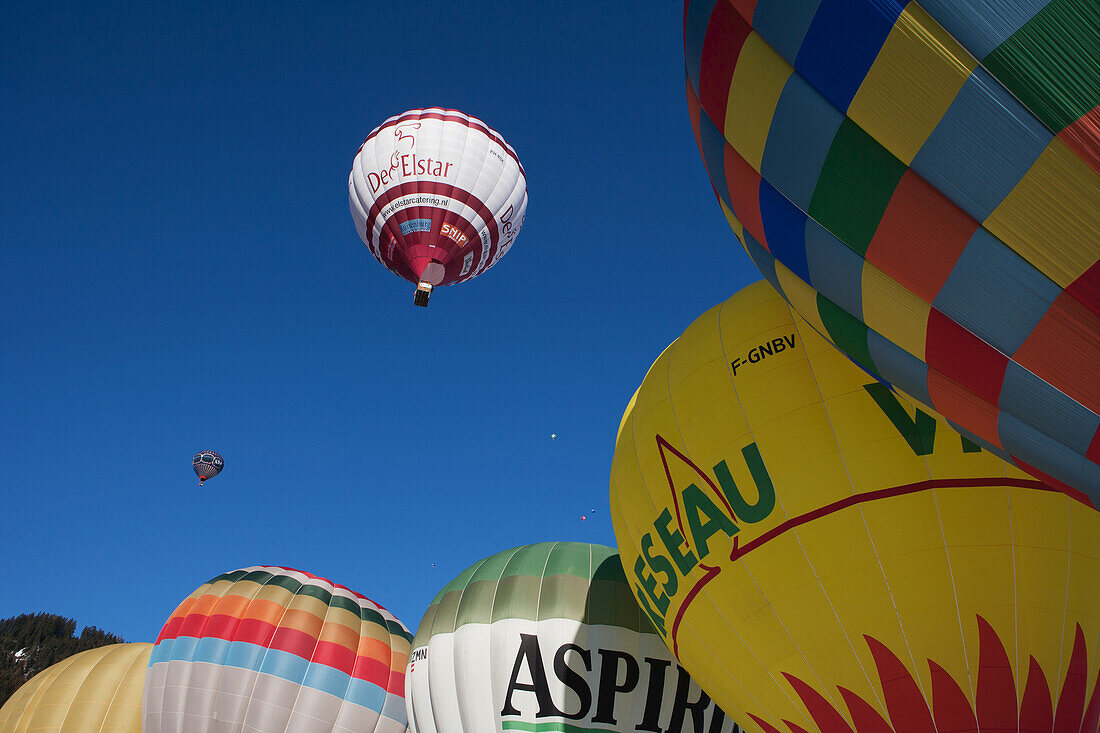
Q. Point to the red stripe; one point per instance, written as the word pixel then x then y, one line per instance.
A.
pixel 439 189
pixel 171 629
pixel 738 552
pixel 451 115
pixel 725 36
pixel 294 642
pixel 254 631
pixel 334 655
pixel 397 684
pixel 964 358
pixel 372 670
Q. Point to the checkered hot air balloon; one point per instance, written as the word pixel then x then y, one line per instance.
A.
pixel 207 464
pixel 437 196
pixel 922 183
pixel 273 649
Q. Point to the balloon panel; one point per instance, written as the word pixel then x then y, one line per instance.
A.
pixel 814 547
pixel 98 689
pixel 913 208
pixel 247 642
pixel 437 195
pixel 548 637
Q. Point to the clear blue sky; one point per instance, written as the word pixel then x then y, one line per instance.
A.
pixel 181 272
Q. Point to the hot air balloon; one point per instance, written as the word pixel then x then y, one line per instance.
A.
pixel 922 183
pixel 207 464
pixel 95 690
pixel 437 196
pixel 547 637
pixel 274 649
pixel 822 555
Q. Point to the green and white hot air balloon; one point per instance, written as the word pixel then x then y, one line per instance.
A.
pixel 548 637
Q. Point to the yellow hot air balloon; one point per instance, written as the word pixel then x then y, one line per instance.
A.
pixel 823 555
pixel 96 690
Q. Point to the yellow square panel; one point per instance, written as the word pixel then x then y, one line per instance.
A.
pixel 734 224
pixel 800 295
pixel 916 75
pixel 1052 215
pixel 891 309
pixel 758 80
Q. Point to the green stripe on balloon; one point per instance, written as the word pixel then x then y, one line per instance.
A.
pixel 848 333
pixel 855 186
pixel 1050 65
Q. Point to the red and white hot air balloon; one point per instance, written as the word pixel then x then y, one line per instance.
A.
pixel 437 196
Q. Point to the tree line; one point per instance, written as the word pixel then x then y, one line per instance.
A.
pixel 31 642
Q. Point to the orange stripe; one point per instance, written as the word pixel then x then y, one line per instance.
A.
pixel 305 621
pixel 374 649
pixel 339 634
pixel 266 611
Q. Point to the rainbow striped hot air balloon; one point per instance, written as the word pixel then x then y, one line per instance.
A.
pixel 275 649
pixel 922 183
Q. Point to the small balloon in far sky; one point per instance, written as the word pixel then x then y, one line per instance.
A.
pixel 583 517
pixel 207 464
pixel 553 436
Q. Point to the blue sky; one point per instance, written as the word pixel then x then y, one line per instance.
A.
pixel 181 272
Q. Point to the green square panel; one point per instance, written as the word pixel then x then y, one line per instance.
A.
pixel 855 185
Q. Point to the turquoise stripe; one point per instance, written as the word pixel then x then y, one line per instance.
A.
pixel 982 25
pixel 696 19
pixel 995 293
pixel 784 24
pixel 982 147
pixel 280 664
pixel 801 133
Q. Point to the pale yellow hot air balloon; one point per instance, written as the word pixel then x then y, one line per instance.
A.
pixel 93 691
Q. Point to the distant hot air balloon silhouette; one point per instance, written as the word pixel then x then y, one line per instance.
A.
pixel 274 649
pixel 547 637
pixel 207 464
pixel 437 196
pixel 95 690
pixel 922 183
pixel 821 555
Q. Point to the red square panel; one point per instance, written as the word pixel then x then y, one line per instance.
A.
pixel 965 408
pixel 1061 352
pixel 744 188
pixel 726 34
pixel 920 237
pixel 964 358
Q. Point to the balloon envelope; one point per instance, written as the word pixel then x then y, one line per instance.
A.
pixel 275 649
pixel 817 550
pixel 547 637
pixel 207 464
pixel 437 195
pixel 921 183
pixel 95 690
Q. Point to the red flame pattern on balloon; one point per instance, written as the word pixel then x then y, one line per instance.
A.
pixel 1075 711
